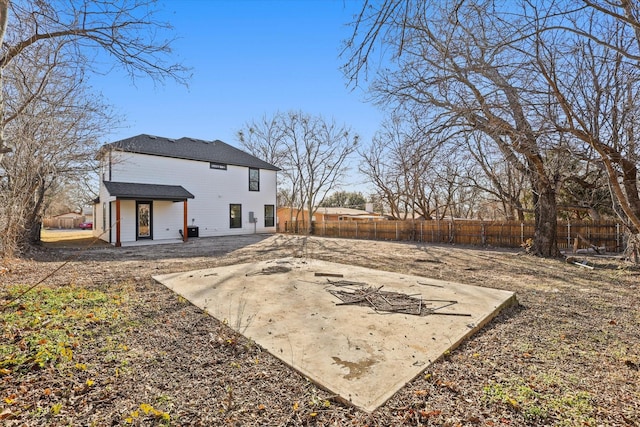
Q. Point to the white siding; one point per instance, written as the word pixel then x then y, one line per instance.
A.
pixel 167 220
pixel 127 221
pixel 101 226
pixel 214 191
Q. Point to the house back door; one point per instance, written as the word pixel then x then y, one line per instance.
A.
pixel 144 217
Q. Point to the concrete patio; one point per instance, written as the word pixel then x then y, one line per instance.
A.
pixel 360 354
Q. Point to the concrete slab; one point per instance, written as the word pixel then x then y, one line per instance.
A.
pixel 362 355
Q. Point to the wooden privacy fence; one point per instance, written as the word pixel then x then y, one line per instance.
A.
pixel 510 234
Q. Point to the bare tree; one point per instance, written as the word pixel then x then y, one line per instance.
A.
pixel 455 67
pixel 462 200
pixel 416 174
pixel 69 194
pixel 320 150
pixel 546 81
pixel 125 31
pixel 399 165
pixel 378 167
pixel 268 139
pixel 311 152
pixel 591 62
pixel 501 183
pixel 56 134
pixel 265 139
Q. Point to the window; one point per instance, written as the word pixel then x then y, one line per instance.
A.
pixel 254 179
pixel 219 166
pixel 235 216
pixel 268 215
pixel 104 216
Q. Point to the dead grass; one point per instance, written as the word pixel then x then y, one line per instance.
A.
pixel 54 236
pixel 71 239
pixel 568 355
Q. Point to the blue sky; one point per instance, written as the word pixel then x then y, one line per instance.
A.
pixel 249 58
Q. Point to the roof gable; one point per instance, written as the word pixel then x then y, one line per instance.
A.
pixel 189 149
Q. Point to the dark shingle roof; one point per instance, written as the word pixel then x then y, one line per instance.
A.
pixel 130 190
pixel 190 149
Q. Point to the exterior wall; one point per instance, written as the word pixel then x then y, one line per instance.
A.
pixel 167 219
pixel 104 212
pixel 127 221
pixel 214 191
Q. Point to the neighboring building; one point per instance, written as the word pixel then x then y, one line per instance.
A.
pixel 65 220
pixel 286 215
pixel 155 188
pixel 289 215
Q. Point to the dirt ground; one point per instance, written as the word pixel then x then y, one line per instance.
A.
pixel 567 355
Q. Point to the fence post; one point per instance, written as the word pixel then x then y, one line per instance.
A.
pixel 338 228
pixel 522 232
pixel 356 229
pixel 375 230
pixel 617 236
pixel 483 236
pixel 421 238
pixel 397 235
pixel 568 234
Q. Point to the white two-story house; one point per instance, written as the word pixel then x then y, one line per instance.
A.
pixel 160 189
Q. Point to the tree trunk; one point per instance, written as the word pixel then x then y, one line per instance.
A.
pixel 4 12
pixel 545 239
pixel 21 237
pixel 32 233
pixel 632 250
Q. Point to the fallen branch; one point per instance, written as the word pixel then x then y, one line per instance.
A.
pixel 340 283
pixel 387 301
pixel 584 265
pixel 328 275
pixel 270 270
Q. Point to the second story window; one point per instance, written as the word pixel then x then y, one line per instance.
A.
pixel 219 166
pixel 254 179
